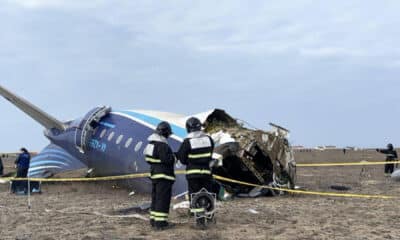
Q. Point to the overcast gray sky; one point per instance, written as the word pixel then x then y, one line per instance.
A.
pixel 327 70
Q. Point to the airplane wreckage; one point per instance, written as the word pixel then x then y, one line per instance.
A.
pixel 253 156
pixel 110 143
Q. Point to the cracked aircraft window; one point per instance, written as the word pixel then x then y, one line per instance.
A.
pixel 103 133
pixel 110 137
pixel 119 139
pixel 138 146
pixel 128 142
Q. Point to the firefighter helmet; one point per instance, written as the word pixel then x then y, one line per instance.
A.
pixel 193 124
pixel 164 129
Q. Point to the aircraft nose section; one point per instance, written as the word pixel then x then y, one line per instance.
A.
pixel 85 129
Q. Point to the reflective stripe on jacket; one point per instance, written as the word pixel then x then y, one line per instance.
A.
pixel 196 152
pixel 160 157
pixel 391 154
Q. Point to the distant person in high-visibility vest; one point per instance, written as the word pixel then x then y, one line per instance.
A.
pixel 391 155
pixel 22 166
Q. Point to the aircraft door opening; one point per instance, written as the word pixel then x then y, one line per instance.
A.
pixel 86 128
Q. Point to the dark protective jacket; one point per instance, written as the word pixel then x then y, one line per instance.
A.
pixel 196 152
pixel 160 157
pixel 391 154
pixel 23 160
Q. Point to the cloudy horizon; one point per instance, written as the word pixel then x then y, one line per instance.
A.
pixel 325 70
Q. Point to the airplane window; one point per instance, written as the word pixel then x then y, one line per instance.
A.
pixel 110 137
pixel 119 139
pixel 95 131
pixel 103 133
pixel 128 142
pixel 138 146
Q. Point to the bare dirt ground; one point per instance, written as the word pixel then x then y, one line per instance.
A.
pixel 84 210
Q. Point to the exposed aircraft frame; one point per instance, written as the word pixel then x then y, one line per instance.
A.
pixel 111 143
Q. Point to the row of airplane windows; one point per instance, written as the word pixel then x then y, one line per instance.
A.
pixel 119 139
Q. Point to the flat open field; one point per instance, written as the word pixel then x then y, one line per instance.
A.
pixel 87 210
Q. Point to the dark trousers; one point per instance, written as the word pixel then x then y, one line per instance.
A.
pixel 160 201
pixel 198 183
pixel 389 168
pixel 20 185
pixel 195 185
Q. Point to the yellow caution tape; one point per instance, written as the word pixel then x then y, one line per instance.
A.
pixel 94 179
pixel 344 164
pixel 142 175
pixel 331 194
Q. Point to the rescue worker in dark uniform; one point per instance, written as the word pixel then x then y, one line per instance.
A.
pixel 162 160
pixel 196 153
pixel 391 155
pixel 22 165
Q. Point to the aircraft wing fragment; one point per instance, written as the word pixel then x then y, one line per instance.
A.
pixel 34 112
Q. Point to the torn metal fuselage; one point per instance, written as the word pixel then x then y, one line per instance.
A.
pixel 253 156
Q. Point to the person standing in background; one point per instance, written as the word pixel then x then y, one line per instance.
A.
pixel 391 155
pixel 22 166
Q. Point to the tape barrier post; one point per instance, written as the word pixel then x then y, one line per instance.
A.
pixel 29 194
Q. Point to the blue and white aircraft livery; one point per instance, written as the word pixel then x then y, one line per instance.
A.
pixel 106 141
pixel 109 142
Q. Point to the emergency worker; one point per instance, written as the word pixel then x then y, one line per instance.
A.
pixel 196 153
pixel 391 155
pixel 162 160
pixel 22 164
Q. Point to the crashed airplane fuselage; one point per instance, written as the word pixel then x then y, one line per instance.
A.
pixel 111 143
